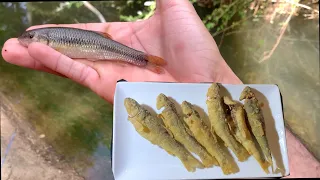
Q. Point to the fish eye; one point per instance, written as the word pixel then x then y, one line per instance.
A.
pixel 31 36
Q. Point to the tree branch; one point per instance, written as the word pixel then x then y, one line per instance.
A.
pixel 94 10
pixel 283 29
pixel 302 5
pixel 221 40
pixel 231 26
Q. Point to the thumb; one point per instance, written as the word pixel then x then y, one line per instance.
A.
pixel 52 59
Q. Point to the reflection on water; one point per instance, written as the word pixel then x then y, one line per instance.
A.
pixel 101 168
pixel 78 123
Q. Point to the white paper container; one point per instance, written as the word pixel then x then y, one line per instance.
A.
pixel 135 158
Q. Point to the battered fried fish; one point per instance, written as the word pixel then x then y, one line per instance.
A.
pixel 219 124
pixel 240 131
pixel 256 121
pixel 179 131
pixel 207 139
pixel 152 129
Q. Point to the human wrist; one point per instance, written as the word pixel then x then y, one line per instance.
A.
pixel 224 74
pixel 301 162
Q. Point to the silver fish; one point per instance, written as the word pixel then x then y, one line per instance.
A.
pixel 92 45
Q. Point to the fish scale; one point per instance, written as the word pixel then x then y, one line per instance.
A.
pixel 92 45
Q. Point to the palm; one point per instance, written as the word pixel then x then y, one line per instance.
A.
pixel 177 34
pixel 174 32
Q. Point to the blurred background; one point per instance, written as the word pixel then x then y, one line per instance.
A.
pixel 54 128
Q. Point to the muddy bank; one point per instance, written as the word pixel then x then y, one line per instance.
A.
pixel 27 157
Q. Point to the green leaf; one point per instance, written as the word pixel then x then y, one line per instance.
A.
pixel 210 25
pixel 78 4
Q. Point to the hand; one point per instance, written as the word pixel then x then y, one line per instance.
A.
pixel 175 32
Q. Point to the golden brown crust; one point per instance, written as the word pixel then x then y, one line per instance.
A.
pixel 256 121
pixel 175 124
pixel 242 133
pixel 219 123
pixel 152 129
pixel 207 139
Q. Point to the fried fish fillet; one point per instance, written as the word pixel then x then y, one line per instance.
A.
pixel 219 124
pixel 256 121
pixel 152 129
pixel 178 130
pixel 239 129
pixel 207 139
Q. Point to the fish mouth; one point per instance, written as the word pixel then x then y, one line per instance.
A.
pixel 128 102
pixel 22 42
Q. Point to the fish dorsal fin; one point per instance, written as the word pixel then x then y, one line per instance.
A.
pixel 164 125
pixel 169 131
pixel 188 131
pixel 187 128
pixel 104 34
pixel 231 124
pixel 231 127
pixel 245 134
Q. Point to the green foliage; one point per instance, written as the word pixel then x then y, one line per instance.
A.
pixel 223 14
pixel 142 10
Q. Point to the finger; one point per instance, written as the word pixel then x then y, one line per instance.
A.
pixel 13 52
pixel 62 64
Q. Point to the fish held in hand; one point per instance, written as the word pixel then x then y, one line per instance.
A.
pixel 91 45
pixel 239 129
pixel 153 129
pixel 256 121
pixel 180 132
pixel 218 120
pixel 207 139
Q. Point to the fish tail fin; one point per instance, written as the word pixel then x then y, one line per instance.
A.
pixel 215 162
pixel 209 161
pixel 154 68
pixel 267 153
pixel 191 163
pixel 265 165
pixel 271 163
pixel 155 60
pixel 241 153
pixel 229 168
